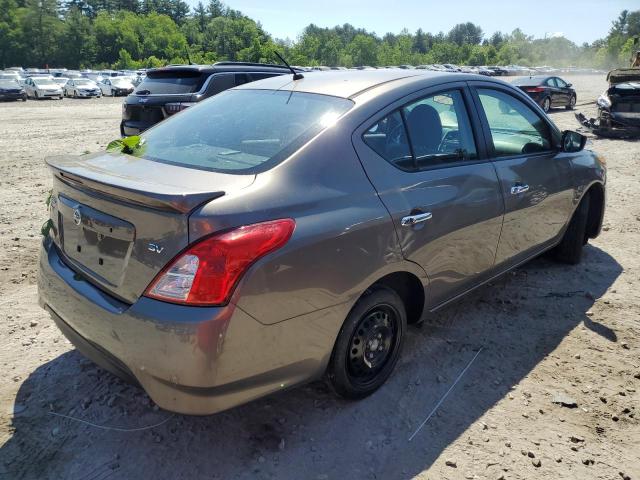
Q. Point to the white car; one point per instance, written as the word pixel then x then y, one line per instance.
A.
pixel 62 81
pixel 81 88
pixel 116 86
pixel 42 87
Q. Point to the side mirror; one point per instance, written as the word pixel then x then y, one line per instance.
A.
pixel 573 141
pixel 569 85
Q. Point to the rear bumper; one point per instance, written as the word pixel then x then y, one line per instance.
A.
pixel 192 360
pixel 607 125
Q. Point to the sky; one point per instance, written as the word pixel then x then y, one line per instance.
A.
pixel 578 20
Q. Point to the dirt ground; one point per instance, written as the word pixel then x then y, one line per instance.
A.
pixel 543 330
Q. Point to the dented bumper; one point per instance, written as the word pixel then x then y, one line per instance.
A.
pixel 607 126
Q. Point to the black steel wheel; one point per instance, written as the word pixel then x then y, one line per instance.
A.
pixel 369 344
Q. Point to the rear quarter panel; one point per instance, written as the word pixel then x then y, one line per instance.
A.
pixel 343 242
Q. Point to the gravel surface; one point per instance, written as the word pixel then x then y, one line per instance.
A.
pixel 553 393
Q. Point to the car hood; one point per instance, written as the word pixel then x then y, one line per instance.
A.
pixel 623 75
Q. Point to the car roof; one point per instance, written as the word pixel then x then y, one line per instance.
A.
pixel 224 67
pixel 350 83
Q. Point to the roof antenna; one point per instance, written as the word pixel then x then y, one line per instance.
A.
pixel 296 75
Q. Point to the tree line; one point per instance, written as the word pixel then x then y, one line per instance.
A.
pixel 149 33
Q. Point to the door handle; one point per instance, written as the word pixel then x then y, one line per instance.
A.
pixel 517 189
pixel 411 220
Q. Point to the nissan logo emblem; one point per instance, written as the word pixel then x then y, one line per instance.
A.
pixel 77 218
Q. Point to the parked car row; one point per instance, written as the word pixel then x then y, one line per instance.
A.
pixel 39 84
pixel 493 70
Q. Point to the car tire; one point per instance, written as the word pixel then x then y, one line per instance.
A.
pixel 368 345
pixel 37 95
pixel 569 250
pixel 572 103
pixel 75 94
pixel 546 104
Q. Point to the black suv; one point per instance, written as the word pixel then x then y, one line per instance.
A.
pixel 168 90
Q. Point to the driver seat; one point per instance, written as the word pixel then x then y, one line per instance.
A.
pixel 425 130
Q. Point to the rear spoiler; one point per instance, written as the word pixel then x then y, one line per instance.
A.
pixel 123 188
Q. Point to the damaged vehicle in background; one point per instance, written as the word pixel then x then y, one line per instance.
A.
pixel 618 107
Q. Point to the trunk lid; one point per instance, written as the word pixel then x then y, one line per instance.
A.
pixel 118 220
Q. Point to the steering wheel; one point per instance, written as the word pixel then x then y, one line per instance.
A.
pixel 451 137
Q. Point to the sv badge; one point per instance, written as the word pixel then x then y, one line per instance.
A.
pixel 155 248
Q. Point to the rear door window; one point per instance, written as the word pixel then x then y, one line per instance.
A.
pixel 221 82
pixel 242 78
pixel 171 81
pixel 515 128
pixel 261 76
pixel 431 132
pixel 388 138
pixel 439 130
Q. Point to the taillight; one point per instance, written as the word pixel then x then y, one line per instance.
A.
pixel 534 89
pixel 172 108
pixel 207 271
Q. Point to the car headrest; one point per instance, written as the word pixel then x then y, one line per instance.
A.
pixel 425 129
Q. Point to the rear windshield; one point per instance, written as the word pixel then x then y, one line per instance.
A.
pixel 528 81
pixel 242 131
pixel 172 81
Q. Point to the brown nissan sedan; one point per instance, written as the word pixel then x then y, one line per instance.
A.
pixel 288 230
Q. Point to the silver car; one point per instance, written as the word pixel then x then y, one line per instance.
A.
pixel 289 229
pixel 42 87
pixel 81 88
pixel 116 86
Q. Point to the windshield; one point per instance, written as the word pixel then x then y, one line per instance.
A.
pixel 242 131
pixel 9 84
pixel 43 81
pixel 172 81
pixel 85 84
pixel 120 81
